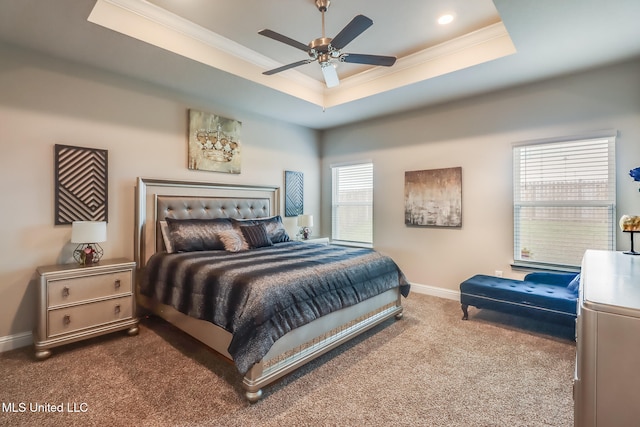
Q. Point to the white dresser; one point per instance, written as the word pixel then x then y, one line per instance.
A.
pixel 606 387
pixel 77 302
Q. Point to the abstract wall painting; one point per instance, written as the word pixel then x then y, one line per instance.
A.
pixel 81 184
pixel 214 143
pixel 433 198
pixel 293 193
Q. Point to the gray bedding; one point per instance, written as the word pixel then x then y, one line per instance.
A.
pixel 261 294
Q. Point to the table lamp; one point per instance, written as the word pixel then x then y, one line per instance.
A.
pixel 305 222
pixel 87 234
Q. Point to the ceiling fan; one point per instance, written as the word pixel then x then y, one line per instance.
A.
pixel 328 51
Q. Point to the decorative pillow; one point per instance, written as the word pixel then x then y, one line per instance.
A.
pixel 164 230
pixel 187 235
pixel 574 285
pixel 256 235
pixel 275 228
pixel 233 240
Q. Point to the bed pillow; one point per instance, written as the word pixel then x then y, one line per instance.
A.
pixel 275 228
pixel 188 235
pixel 233 240
pixel 256 235
pixel 166 237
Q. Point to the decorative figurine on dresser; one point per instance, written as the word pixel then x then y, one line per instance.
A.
pixel 80 301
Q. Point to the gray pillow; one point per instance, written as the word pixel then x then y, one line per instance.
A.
pixel 188 235
pixel 256 235
pixel 275 228
pixel 233 240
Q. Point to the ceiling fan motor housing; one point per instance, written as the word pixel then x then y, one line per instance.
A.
pixel 319 46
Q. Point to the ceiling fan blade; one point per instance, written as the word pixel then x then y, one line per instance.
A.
pixel 351 31
pixel 284 39
pixel 330 75
pixel 356 58
pixel 286 67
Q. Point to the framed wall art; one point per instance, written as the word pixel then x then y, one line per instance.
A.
pixel 293 193
pixel 214 143
pixel 433 197
pixel 81 184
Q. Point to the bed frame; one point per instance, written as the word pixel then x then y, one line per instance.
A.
pixel 159 199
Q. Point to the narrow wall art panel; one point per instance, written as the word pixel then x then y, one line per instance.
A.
pixel 81 184
pixel 294 193
pixel 433 197
pixel 214 143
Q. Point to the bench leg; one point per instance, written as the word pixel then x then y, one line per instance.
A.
pixel 465 311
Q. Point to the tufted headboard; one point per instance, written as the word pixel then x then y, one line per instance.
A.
pixel 190 207
pixel 159 199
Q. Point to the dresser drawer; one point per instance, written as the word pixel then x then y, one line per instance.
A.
pixel 78 289
pixel 71 319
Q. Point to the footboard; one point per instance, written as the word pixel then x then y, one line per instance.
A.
pixel 297 347
pixel 308 342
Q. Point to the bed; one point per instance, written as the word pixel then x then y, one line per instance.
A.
pixel 269 309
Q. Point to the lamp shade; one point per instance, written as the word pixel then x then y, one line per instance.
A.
pixel 88 232
pixel 305 220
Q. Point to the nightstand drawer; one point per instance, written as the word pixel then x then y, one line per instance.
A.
pixel 78 289
pixel 71 319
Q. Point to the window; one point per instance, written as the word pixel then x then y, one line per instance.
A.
pixel 352 203
pixel 563 200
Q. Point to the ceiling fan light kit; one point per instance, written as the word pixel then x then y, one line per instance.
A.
pixel 328 51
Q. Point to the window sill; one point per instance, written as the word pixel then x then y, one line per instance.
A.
pixel 352 244
pixel 538 266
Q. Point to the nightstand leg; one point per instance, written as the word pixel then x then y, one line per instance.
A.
pixel 133 330
pixel 42 354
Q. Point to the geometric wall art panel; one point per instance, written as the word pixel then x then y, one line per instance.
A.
pixel 81 184
pixel 433 198
pixel 293 193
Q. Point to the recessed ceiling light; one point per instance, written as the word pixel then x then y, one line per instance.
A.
pixel 445 19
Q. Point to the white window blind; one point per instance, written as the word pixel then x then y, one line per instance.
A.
pixel 352 203
pixel 564 200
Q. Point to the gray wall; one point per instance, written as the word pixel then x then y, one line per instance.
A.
pixel 477 134
pixel 44 102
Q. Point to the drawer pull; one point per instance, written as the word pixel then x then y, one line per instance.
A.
pixel 66 319
pixel 117 309
pixel 117 283
pixel 65 291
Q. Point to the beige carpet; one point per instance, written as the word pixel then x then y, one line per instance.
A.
pixel 428 369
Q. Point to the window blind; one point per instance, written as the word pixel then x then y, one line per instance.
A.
pixel 564 200
pixel 352 203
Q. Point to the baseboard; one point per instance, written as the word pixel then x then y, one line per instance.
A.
pixel 11 342
pixel 435 291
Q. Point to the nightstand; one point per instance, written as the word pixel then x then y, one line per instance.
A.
pixel 77 302
pixel 320 240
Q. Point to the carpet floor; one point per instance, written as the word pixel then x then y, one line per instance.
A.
pixel 428 369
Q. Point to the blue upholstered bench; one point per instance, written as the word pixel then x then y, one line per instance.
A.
pixel 550 296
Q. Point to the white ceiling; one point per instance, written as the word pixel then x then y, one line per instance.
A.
pixel 211 49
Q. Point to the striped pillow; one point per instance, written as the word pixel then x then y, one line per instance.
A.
pixel 256 235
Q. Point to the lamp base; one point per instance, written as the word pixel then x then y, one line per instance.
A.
pixel 88 253
pixel 632 251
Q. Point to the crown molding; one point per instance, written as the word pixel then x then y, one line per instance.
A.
pixel 157 26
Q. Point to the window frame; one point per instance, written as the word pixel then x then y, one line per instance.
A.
pixel 337 236
pixel 606 205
